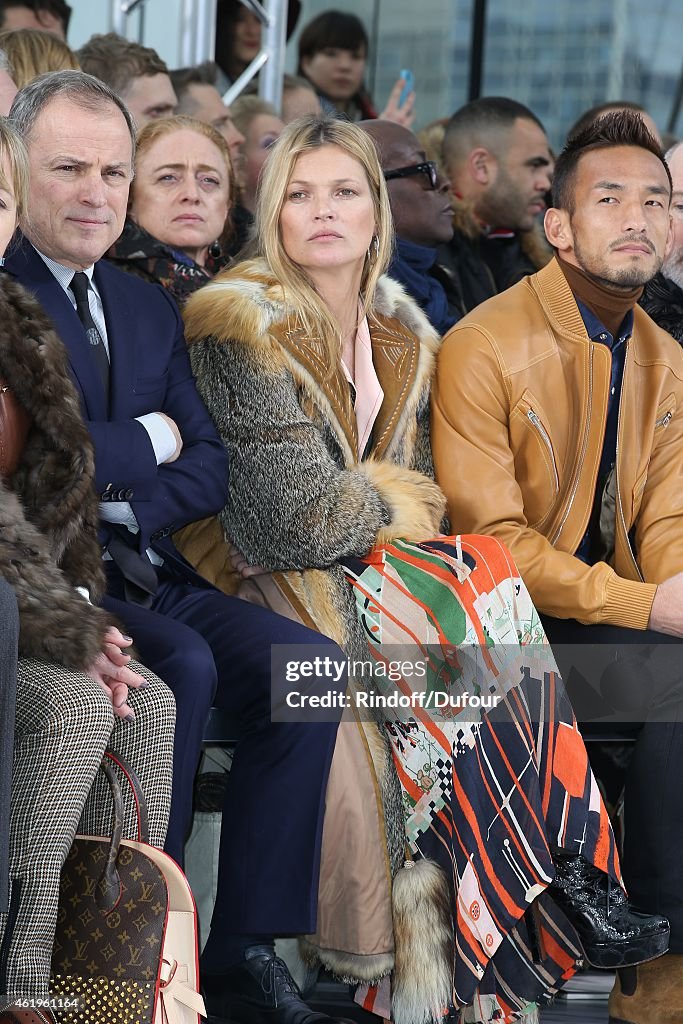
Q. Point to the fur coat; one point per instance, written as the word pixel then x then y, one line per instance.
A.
pixel 662 299
pixel 300 501
pixel 49 511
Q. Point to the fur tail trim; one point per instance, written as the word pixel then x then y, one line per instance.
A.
pixel 417 505
pixel 351 968
pixel 422 987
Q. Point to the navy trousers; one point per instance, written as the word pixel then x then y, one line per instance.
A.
pixel 638 678
pixel 213 649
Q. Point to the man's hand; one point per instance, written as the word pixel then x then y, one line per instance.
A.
pixel 176 433
pixel 110 671
pixel 667 608
pixel 404 115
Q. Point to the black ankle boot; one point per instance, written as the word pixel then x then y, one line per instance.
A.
pixel 612 934
pixel 258 990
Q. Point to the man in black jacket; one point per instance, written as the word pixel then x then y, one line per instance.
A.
pixel 496 155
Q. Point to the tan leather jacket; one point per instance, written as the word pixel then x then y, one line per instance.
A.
pixel 518 421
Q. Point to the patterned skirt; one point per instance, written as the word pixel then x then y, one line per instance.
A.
pixel 489 786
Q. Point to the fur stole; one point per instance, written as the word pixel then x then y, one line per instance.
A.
pixel 49 514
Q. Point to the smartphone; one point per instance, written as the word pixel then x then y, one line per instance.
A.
pixel 407 77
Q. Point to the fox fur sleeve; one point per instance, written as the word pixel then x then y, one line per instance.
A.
pixel 292 504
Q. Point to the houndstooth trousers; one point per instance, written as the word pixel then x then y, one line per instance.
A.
pixel 64 722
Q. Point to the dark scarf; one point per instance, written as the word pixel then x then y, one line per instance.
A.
pixel 411 266
pixel 140 253
pixel 609 305
pixel 663 301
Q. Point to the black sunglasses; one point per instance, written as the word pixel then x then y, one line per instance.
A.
pixel 428 168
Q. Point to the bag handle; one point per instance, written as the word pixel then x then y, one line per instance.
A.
pixel 109 887
pixel 136 789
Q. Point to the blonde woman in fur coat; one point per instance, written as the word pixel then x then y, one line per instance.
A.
pixel 442 835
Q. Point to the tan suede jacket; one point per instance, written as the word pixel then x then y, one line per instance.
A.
pixel 518 421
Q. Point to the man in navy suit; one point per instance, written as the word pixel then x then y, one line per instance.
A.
pixel 160 465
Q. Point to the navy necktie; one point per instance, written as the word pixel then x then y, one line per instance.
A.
pixel 140 581
pixel 79 286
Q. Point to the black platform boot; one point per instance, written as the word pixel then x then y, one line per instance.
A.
pixel 612 933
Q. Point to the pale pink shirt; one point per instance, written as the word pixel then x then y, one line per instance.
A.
pixel 369 394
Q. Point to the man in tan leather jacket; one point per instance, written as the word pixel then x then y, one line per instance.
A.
pixel 558 427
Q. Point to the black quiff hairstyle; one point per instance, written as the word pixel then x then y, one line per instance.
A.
pixel 620 128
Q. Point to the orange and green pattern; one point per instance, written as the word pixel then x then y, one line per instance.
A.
pixel 487 792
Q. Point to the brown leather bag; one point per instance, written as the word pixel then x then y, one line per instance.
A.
pixel 125 949
pixel 15 423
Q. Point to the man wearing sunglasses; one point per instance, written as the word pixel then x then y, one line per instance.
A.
pixel 423 215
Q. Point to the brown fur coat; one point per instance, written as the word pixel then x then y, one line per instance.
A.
pixel 49 513
pixel 300 501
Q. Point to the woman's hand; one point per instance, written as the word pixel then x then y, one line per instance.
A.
pixel 241 566
pixel 110 671
pixel 404 115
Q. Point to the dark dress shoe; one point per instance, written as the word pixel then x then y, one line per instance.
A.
pixel 258 990
pixel 612 933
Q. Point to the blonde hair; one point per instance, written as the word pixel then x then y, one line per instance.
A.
pixel 183 122
pixel 305 135
pixel 431 137
pixel 12 147
pixel 31 53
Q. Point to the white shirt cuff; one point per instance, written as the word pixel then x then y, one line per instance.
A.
pixel 119 512
pixel 160 434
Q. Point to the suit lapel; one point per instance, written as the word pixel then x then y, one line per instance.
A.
pixel 31 271
pixel 395 356
pixel 121 335
pixel 310 355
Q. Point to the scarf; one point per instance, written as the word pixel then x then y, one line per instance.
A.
pixel 138 252
pixel 411 267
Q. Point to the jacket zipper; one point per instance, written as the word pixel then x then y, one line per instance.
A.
pixel 665 420
pixel 584 446
pixel 546 437
pixel 616 464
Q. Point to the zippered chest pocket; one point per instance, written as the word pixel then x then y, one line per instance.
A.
pixel 663 417
pixel 536 466
pixel 665 412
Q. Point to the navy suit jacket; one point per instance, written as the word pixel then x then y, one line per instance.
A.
pixel 150 372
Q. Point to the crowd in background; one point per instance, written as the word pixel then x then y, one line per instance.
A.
pixel 279 445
